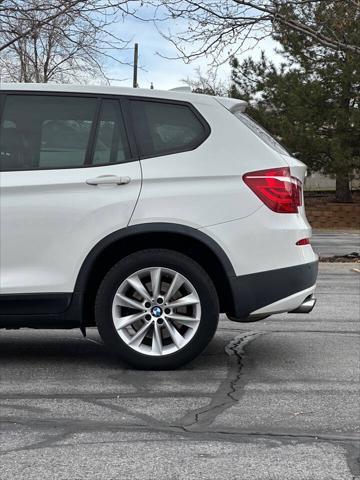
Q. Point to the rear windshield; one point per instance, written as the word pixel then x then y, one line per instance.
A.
pixel 263 134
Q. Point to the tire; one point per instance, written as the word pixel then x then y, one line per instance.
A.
pixel 152 324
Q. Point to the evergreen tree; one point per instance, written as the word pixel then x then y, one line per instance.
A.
pixel 311 102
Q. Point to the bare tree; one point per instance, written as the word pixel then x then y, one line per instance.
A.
pixel 60 40
pixel 220 29
pixel 207 83
pixel 33 15
pixel 43 40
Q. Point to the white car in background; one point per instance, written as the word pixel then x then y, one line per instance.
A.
pixel 146 213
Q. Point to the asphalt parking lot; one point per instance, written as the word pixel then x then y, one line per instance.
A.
pixel 329 243
pixel 276 399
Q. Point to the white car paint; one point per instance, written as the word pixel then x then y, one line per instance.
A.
pixel 51 219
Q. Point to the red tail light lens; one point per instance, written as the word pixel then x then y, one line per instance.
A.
pixel 281 192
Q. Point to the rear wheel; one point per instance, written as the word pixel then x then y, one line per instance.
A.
pixel 156 309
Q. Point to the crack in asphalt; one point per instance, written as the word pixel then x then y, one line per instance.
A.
pixel 331 332
pixel 227 394
pixel 71 428
pixel 148 419
pixel 101 396
pixel 229 391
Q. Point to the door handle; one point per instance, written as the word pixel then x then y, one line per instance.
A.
pixel 108 180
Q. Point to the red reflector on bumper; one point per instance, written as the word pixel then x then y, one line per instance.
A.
pixel 303 241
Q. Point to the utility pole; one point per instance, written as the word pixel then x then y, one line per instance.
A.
pixel 136 57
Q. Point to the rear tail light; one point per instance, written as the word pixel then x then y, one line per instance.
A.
pixel 281 192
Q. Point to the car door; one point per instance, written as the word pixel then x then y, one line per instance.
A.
pixel 68 178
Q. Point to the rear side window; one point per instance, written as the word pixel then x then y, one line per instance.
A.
pixel 163 128
pixel 40 132
pixel 43 131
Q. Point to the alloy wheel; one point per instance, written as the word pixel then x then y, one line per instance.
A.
pixel 156 311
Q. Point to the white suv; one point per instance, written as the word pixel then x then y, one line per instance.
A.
pixel 146 213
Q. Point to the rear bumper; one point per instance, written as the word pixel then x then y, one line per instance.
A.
pixel 273 291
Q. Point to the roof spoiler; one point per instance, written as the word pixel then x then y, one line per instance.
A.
pixel 232 104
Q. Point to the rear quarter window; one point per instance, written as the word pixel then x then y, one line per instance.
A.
pixel 163 128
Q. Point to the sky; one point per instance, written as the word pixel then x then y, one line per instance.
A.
pixel 162 72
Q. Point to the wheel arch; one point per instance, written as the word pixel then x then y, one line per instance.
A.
pixel 187 240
